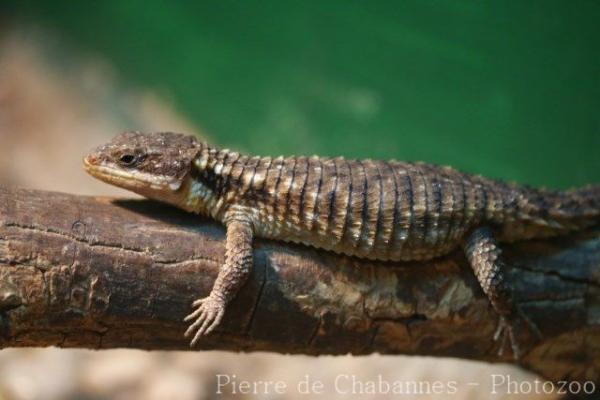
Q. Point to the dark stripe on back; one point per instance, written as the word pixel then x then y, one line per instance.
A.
pixel 315 200
pixel 380 227
pixel 395 212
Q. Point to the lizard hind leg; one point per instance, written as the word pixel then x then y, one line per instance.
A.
pixel 238 264
pixel 485 258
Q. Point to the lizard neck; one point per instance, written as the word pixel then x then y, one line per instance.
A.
pixel 205 190
pixel 199 198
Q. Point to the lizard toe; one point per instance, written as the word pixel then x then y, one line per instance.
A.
pixel 198 302
pixel 505 332
pixel 199 315
pixel 216 322
pixel 207 322
pixel 194 314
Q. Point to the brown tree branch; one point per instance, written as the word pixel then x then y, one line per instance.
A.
pixel 101 273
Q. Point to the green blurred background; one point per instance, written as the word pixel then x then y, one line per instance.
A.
pixel 509 89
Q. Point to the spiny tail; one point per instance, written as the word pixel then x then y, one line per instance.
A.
pixel 551 213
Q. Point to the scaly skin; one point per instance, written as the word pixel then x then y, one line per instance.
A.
pixel 380 210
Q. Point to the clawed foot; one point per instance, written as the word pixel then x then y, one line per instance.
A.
pixel 208 315
pixel 505 332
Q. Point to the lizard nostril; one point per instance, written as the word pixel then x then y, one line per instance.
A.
pixel 91 159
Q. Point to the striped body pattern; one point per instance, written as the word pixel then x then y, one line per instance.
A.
pixel 385 210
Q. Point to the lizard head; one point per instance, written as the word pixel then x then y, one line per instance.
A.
pixel 155 165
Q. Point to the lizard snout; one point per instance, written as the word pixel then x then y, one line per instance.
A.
pixel 91 159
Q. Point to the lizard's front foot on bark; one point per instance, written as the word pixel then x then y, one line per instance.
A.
pixel 208 315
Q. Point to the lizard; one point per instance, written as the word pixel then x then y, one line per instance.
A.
pixel 378 210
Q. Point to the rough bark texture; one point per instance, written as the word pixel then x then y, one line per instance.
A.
pixel 104 273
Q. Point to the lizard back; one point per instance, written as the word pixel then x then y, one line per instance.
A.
pixel 386 210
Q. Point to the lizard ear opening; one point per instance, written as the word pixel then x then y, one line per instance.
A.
pixel 185 167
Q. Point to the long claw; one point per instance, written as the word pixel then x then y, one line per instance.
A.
pixel 499 328
pixel 503 342
pixel 198 302
pixel 195 339
pixel 200 321
pixel 215 322
pixel 207 321
pixel 197 323
pixel 193 315
pixel 506 332
pixel 194 326
pixel 513 343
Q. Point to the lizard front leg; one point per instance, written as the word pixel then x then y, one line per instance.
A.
pixel 233 274
pixel 485 258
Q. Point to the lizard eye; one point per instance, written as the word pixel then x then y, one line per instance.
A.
pixel 127 160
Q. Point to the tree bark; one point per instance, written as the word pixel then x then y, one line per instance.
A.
pixel 103 273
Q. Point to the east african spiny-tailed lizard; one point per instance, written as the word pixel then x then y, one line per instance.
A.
pixel 380 210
